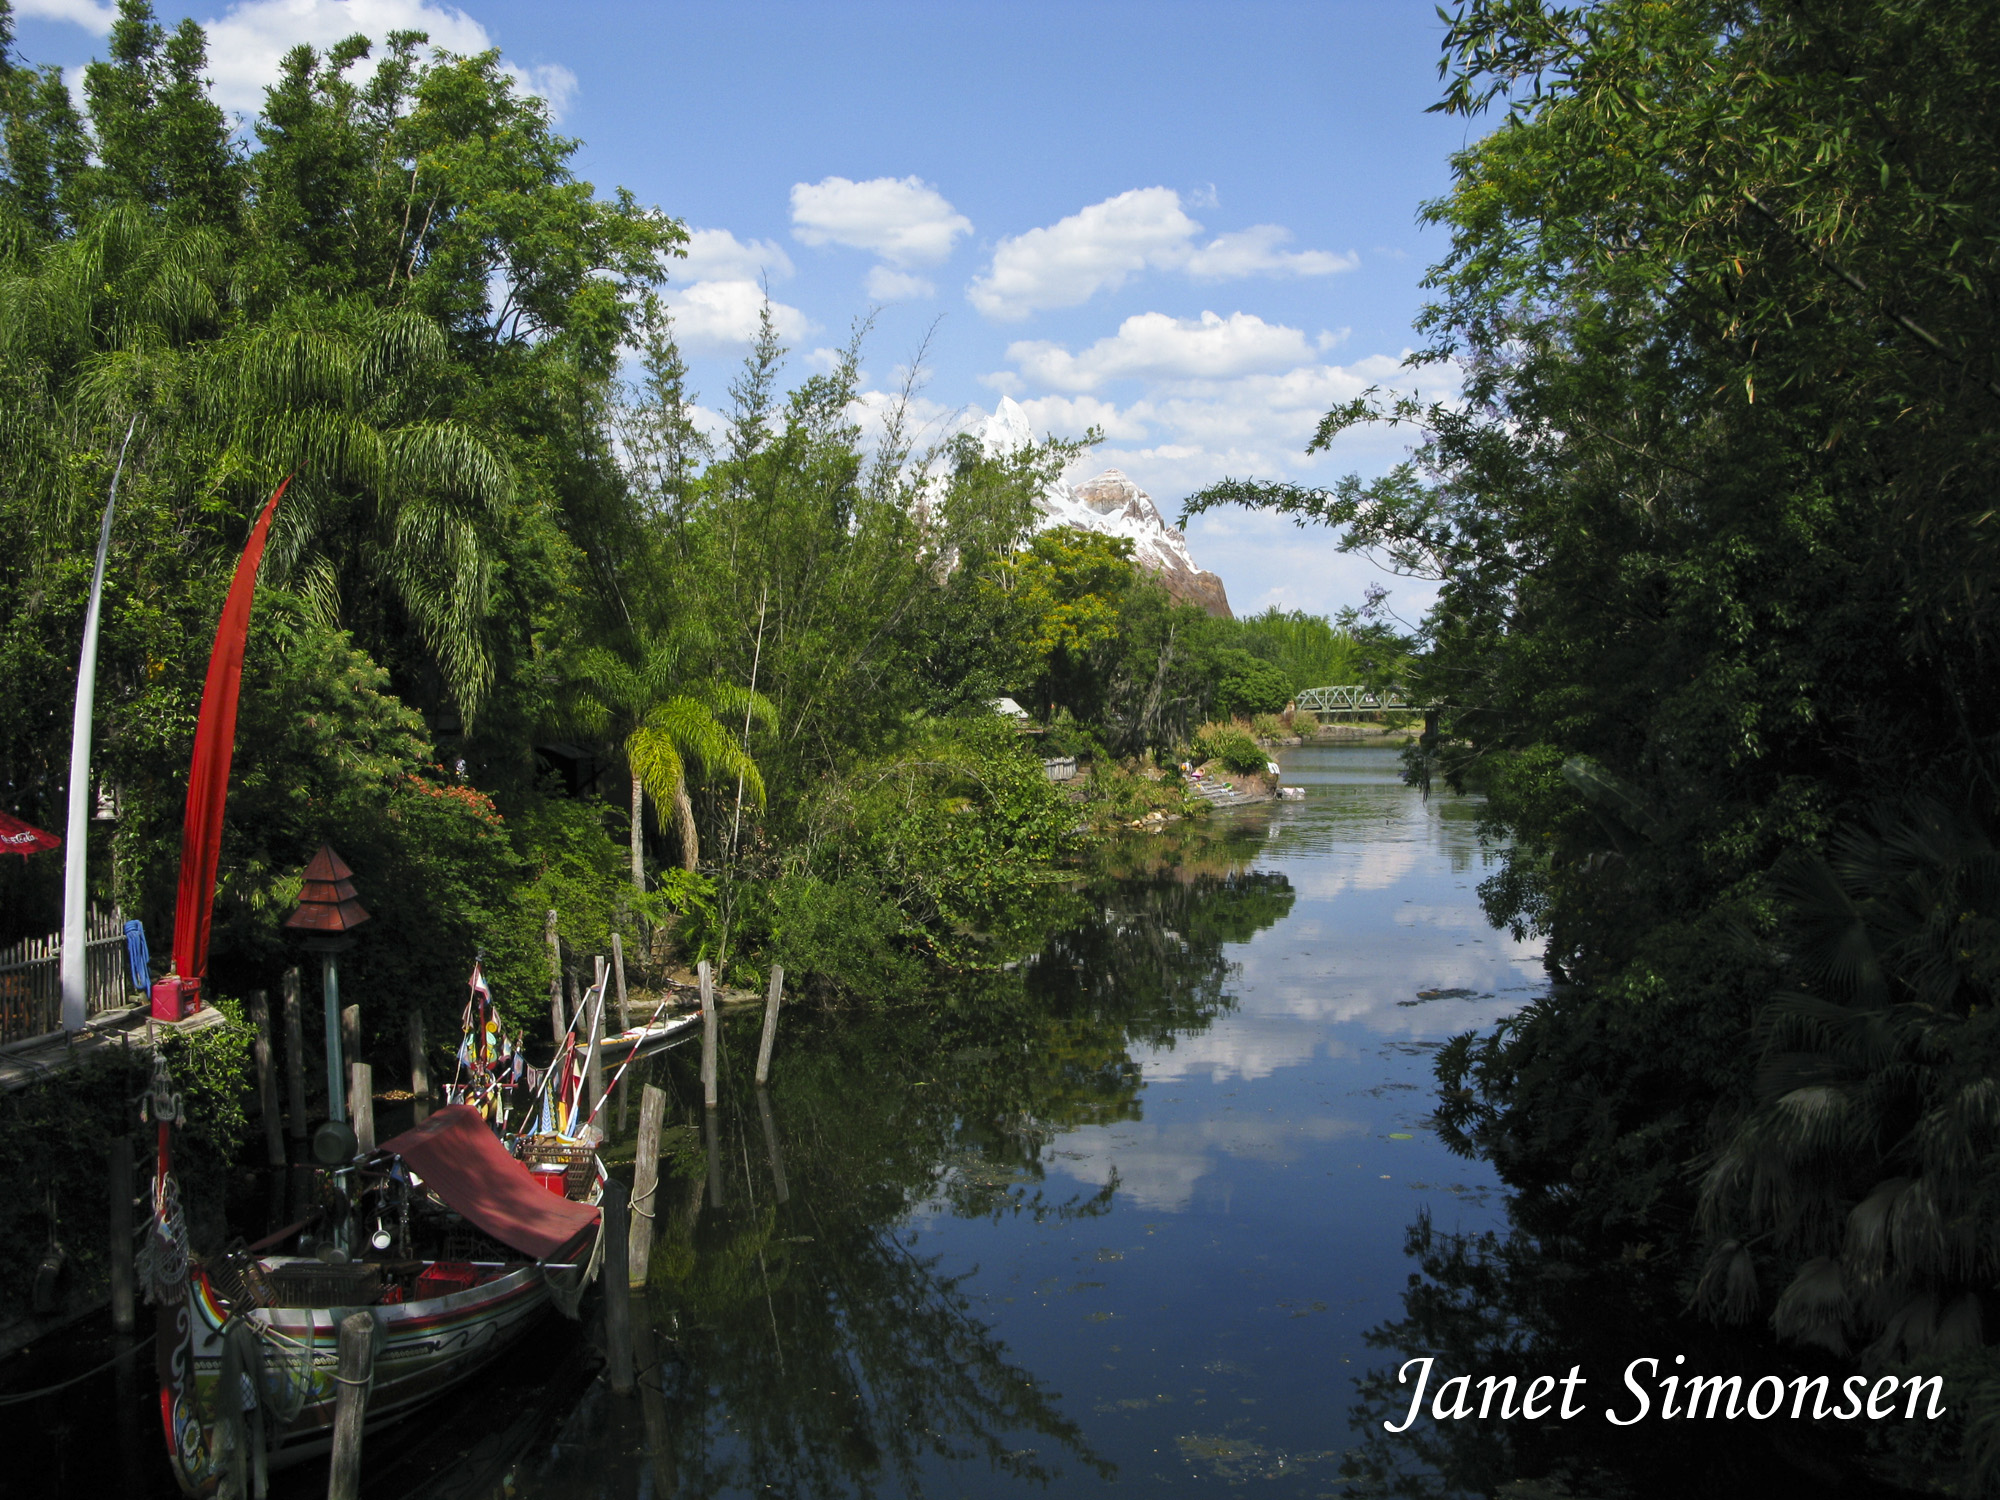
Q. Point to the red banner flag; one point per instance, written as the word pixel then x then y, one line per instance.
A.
pixel 214 747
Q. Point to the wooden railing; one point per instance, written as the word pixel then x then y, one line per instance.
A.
pixel 31 977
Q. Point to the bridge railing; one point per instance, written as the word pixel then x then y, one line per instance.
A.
pixel 1356 698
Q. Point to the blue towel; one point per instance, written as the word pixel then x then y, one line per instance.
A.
pixel 135 950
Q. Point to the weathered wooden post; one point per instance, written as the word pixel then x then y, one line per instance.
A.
pixel 558 1022
pixel 771 1147
pixel 121 1233
pixel 613 1203
pixel 711 1139
pixel 646 1180
pixel 267 1078
pixel 708 1035
pixel 361 1105
pixel 295 1059
pixel 770 1024
pixel 618 976
pixel 420 1069
pixel 350 1404
pixel 593 1066
pixel 653 1408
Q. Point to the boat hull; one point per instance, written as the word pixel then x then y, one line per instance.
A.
pixel 421 1349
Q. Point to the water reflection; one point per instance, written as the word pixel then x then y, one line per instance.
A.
pixel 807 1347
pixel 1122 1214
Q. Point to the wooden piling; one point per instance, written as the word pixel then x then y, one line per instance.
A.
pixel 295 1058
pixel 614 1203
pixel 708 1035
pixel 770 1036
pixel 646 1180
pixel 361 1105
pixel 558 1022
pixel 618 977
pixel 711 1138
pixel 771 1147
pixel 653 1407
pixel 420 1069
pixel 350 1404
pixel 121 1233
pixel 593 1063
pixel 267 1078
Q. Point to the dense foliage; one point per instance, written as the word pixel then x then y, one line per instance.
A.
pixel 1711 523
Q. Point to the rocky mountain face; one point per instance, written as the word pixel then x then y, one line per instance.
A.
pixel 1116 506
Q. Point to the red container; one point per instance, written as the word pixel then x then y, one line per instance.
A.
pixel 554 1177
pixel 444 1278
pixel 175 998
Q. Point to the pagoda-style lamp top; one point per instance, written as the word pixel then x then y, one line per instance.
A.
pixel 327 905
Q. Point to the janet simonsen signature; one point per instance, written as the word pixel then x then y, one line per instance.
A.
pixel 1647 1392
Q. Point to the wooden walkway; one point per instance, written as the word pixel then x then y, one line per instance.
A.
pixel 23 1063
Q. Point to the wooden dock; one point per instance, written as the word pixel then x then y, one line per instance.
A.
pixel 35 1058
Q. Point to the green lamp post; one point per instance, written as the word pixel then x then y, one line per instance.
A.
pixel 328 913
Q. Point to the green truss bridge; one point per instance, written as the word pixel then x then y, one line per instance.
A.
pixel 1355 698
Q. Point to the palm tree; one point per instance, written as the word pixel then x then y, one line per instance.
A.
pixel 136 315
pixel 667 727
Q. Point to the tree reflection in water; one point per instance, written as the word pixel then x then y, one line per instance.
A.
pixel 1523 1305
pixel 803 1346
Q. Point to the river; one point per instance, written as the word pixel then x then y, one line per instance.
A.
pixel 1123 1216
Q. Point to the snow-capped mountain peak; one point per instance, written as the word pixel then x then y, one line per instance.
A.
pixel 1114 505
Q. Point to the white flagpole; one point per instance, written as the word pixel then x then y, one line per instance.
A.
pixel 75 938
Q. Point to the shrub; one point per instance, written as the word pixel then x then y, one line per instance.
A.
pixel 1270 727
pixel 1231 746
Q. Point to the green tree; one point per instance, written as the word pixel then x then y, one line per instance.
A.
pixel 1710 520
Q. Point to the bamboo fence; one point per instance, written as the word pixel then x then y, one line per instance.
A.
pixel 31 977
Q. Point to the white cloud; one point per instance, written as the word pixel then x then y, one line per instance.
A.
pixel 1254 252
pixel 723 315
pixel 1070 260
pixel 904 220
pixel 246 44
pixel 1097 248
pixel 886 284
pixel 92 17
pixel 1153 345
pixel 717 255
pixel 1158 1165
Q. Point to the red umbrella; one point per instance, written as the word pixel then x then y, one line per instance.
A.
pixel 24 839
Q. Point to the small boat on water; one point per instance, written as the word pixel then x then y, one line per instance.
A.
pixel 654 1033
pixel 483 1242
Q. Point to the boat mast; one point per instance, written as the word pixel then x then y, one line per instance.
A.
pixel 75 975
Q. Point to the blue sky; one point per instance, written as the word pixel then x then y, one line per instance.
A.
pixel 1192 225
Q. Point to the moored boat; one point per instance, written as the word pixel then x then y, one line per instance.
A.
pixel 248 1347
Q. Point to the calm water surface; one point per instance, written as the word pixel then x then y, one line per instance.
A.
pixel 1117 1218
pixel 1121 1221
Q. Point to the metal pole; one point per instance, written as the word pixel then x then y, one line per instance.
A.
pixel 295 1057
pixel 336 1071
pixel 76 937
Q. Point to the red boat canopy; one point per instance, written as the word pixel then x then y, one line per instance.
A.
pixel 23 839
pixel 463 1162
